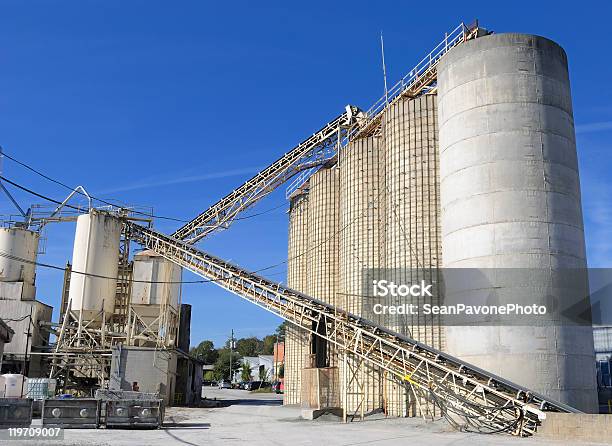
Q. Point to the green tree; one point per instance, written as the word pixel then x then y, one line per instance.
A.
pixel 222 365
pixel 245 371
pixel 249 346
pixel 268 345
pixel 280 331
pixel 205 351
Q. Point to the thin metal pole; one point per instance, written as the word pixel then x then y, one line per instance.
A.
pixel 384 67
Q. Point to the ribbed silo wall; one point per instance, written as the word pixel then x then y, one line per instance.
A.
pixel 510 197
pixel 413 245
pixel 362 227
pixel 297 340
pixel 323 240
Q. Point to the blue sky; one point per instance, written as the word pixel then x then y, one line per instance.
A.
pixel 172 104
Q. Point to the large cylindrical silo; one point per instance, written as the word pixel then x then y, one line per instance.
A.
pixel 362 203
pixel 96 254
pixel 510 197
pixel 323 239
pixel 297 340
pixel 413 245
pixel 19 248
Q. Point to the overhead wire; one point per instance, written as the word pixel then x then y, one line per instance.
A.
pixel 109 203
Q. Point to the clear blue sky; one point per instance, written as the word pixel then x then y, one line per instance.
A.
pixel 172 104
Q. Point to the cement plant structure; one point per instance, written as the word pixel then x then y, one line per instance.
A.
pixel 469 160
pixel 478 172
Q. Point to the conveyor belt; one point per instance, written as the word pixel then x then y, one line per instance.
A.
pixel 479 399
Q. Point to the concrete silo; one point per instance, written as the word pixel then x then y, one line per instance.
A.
pixel 412 248
pixel 323 242
pixel 19 247
pixel 362 202
pixel 297 340
pixel 510 198
pixel 96 255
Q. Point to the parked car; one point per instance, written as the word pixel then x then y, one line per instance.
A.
pixel 224 384
pixel 254 385
pixel 278 387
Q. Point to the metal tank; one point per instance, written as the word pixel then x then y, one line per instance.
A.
pixel 297 340
pixel 362 201
pixel 156 280
pixel 323 240
pixel 510 196
pixel 96 253
pixel 413 245
pixel 18 274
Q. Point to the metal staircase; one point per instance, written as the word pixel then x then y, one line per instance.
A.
pixel 470 398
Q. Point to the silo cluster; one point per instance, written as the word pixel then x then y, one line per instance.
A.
pixel 342 227
pixel 481 173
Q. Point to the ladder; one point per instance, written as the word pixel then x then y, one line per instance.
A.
pixel 312 152
pixel 470 398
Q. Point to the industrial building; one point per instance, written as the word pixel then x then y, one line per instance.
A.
pixel 467 162
pixel 121 318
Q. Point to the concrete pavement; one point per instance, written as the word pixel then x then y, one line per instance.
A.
pixel 260 419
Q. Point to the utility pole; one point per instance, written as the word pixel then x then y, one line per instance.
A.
pixel 231 354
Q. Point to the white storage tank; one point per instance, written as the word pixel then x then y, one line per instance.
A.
pixel 156 280
pixel 18 276
pixel 96 253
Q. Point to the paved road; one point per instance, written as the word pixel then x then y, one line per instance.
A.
pixel 260 419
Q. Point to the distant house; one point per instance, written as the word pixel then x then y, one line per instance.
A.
pixel 259 363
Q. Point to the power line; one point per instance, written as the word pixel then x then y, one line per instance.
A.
pixel 162 217
pixel 276 265
pixel 53 200
pixel 99 276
